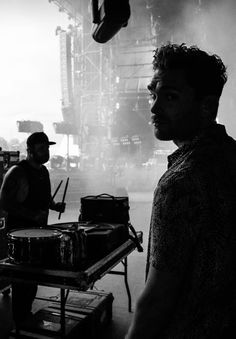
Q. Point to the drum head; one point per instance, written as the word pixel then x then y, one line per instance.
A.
pixel 35 233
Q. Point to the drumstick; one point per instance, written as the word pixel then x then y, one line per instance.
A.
pixel 57 189
pixel 64 195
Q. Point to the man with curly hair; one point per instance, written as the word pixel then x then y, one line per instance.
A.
pixel 190 291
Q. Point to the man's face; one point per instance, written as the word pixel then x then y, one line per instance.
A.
pixel 40 153
pixel 175 109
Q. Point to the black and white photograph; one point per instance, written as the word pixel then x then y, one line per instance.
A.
pixel 118 169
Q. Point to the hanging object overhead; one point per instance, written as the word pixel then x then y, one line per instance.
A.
pixel 109 18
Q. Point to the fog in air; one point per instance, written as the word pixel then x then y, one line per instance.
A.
pixel 114 150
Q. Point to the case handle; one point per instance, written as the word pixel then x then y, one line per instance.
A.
pixel 100 195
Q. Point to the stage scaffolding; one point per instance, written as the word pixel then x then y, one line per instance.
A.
pixel 98 78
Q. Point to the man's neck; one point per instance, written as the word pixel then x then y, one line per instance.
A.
pixel 179 143
pixel 33 163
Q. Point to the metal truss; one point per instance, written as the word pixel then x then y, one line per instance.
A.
pixel 103 74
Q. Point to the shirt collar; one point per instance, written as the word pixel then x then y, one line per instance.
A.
pixel 215 132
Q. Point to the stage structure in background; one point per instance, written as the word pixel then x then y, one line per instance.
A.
pixel 29 126
pixel 100 76
pixel 109 18
pixel 85 81
pixel 66 75
pixel 104 85
pixel 66 129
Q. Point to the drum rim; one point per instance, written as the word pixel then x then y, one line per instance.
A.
pixel 57 234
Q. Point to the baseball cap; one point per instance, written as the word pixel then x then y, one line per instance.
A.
pixel 38 138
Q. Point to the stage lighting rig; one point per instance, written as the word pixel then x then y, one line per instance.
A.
pixel 108 16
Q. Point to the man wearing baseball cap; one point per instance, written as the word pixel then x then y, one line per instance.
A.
pixel 26 196
pixel 38 137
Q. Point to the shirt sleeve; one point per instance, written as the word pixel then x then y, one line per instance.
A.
pixel 177 216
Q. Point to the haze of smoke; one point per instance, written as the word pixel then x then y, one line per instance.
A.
pixel 213 29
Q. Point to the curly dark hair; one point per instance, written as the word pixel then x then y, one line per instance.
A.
pixel 204 72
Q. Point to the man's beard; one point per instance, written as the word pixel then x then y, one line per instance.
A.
pixel 41 159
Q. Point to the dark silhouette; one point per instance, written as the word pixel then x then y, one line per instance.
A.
pixel 191 262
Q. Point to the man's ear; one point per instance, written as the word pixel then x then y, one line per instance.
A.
pixel 29 150
pixel 209 106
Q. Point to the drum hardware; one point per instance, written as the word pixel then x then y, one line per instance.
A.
pixel 64 195
pixel 72 249
pixel 73 245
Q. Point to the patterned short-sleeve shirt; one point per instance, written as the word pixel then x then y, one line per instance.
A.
pixel 193 234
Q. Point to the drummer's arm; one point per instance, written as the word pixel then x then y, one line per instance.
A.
pixel 13 193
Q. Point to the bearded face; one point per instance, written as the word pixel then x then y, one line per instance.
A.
pixel 40 153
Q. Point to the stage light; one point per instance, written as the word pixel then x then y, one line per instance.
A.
pixel 109 18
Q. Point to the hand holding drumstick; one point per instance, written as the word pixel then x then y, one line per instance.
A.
pixel 63 199
pixel 59 206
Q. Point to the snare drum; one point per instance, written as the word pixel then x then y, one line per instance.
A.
pixel 35 246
